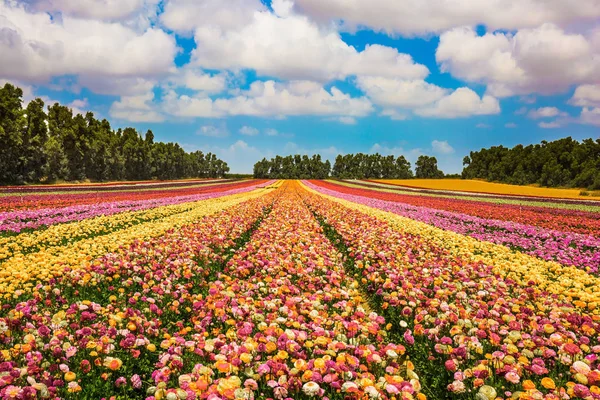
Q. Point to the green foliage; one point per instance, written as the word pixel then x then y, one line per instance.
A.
pixel 293 167
pixel 40 147
pixel 371 166
pixel 564 162
pixel 426 168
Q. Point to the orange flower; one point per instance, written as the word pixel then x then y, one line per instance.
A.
pixel 548 383
pixel 112 363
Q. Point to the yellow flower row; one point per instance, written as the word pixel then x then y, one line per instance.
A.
pixel 62 234
pixel 570 283
pixel 23 272
pixel 471 185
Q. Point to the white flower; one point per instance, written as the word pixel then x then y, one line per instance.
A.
pixel 311 388
pixel 347 386
pixel 372 392
pixel 391 353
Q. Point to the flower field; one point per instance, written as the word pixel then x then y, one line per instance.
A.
pixel 296 290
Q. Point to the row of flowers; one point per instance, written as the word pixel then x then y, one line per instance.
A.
pixel 475 326
pixel 184 316
pixel 564 247
pixel 55 200
pixel 64 234
pixel 101 331
pixel 20 273
pixel 553 202
pixel 16 221
pixel 559 219
pixel 107 186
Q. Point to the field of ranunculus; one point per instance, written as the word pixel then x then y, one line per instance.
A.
pixel 283 290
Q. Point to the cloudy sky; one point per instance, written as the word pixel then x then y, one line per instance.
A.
pixel 250 78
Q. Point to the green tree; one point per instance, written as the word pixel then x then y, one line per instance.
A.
pixel 426 168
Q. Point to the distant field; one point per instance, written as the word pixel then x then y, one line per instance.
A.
pixel 467 185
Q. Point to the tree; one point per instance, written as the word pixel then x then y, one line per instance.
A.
pixel 563 162
pixel 12 126
pixel 426 168
pixel 35 146
pixel 35 137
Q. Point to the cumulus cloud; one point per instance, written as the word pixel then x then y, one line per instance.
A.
pixel 196 79
pixel 249 131
pixel 424 99
pixel 420 17
pixel 586 96
pixel 213 131
pixel 549 125
pixel 271 99
pixel 590 116
pixel 546 112
pixel 136 109
pixel 463 102
pixel 483 126
pixel 347 120
pixel 510 125
pixel 294 47
pixel 92 9
pixel 186 15
pixel 36 47
pixel 542 60
pixel 388 92
pixel 441 147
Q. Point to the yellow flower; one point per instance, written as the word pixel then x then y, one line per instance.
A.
pixel 70 376
pixel 113 363
pixel 548 383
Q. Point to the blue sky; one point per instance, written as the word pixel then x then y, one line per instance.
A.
pixel 248 79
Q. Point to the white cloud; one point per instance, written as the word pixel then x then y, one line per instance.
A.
pixel 270 99
pixel 213 131
pixel 128 86
pixel 295 48
pixel 36 47
pixel 91 9
pixel 549 125
pixel 463 102
pixel 425 99
pixel 272 132
pixel 394 115
pixel 542 60
pixel 483 126
pixel 400 93
pixel 186 15
pixel 590 116
pixel 136 109
pixel 586 96
pixel 441 147
pixel 347 120
pixel 248 131
pixel 546 112
pixel 293 98
pixel 418 17
pixel 510 125
pixel 198 80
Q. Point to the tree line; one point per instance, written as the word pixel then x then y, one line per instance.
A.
pixel 36 146
pixel 349 166
pixel 560 163
pixel 293 167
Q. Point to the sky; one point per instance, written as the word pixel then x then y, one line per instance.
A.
pixel 248 79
